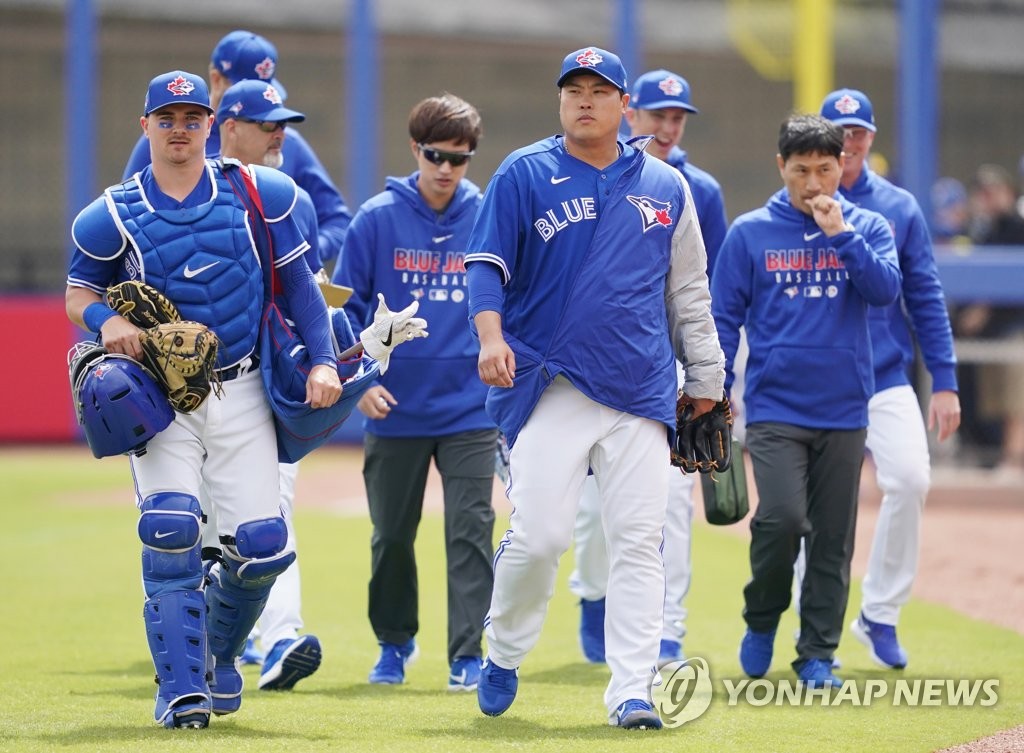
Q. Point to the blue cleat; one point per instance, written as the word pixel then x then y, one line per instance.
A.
pixel 636 714
pixel 592 630
pixel 497 688
pixel 756 652
pixel 881 642
pixel 191 712
pixel 290 660
pixel 817 673
pixel 394 658
pixel 465 674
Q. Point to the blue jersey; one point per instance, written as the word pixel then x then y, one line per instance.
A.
pixel 200 253
pixel 397 245
pixel 707 201
pixel 604 276
pixel 301 163
pixel 803 298
pixel 922 298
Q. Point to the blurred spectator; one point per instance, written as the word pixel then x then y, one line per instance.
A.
pixel 999 388
pixel 950 212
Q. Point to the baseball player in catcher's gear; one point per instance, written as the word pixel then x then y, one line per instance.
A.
pixel 800 274
pixel 587 281
pixel 897 437
pixel 659 106
pixel 408 241
pixel 242 55
pixel 180 227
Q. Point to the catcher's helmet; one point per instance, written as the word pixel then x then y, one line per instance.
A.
pixel 119 405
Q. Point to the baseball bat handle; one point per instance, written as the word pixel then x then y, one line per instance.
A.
pixel 352 352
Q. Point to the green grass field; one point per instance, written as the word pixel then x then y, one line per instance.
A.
pixel 75 672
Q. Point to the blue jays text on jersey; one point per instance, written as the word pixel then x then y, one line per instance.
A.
pixel 439 269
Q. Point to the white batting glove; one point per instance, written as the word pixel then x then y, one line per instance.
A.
pixel 389 330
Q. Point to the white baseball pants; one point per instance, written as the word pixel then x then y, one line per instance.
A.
pixel 226 450
pixel 566 434
pixel 590 578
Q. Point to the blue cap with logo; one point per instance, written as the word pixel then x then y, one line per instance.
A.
pixel 243 55
pixel 657 89
pixel 176 87
pixel 594 60
pixel 255 100
pixel 849 107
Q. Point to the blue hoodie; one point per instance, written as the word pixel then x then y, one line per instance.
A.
pixel 803 299
pixel 891 340
pixel 397 245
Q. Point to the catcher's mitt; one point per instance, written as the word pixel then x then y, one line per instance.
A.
pixel 702 444
pixel 141 304
pixel 182 355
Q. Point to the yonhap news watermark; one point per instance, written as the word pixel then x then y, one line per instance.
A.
pixel 684 691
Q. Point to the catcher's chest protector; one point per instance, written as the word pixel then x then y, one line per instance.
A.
pixel 201 258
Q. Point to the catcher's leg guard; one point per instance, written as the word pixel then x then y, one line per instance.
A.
pixel 175 612
pixel 236 594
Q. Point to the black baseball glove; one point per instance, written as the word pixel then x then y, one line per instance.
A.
pixel 141 304
pixel 702 444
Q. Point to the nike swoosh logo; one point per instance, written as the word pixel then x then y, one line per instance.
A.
pixel 555 181
pixel 442 238
pixel 811 236
pixel 190 273
pixel 162 534
pixel 391 334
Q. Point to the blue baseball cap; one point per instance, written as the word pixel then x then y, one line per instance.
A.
pixel 594 60
pixel 255 100
pixel 175 88
pixel 243 55
pixel 849 107
pixel 661 88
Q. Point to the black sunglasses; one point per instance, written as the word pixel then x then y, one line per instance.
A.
pixel 267 126
pixel 438 157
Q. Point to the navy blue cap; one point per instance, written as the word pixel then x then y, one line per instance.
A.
pixel 594 60
pixel 849 107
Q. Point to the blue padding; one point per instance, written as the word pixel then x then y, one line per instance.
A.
pixel 239 586
pixel 170 530
pixel 257 539
pixel 176 631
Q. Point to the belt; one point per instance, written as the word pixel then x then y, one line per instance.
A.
pixel 245 366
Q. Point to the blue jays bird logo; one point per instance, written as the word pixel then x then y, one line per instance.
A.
pixel 672 86
pixel 271 95
pixel 180 87
pixel 847 105
pixel 265 69
pixel 588 58
pixel 653 212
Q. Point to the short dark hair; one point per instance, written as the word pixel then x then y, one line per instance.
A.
pixel 810 134
pixel 445 118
